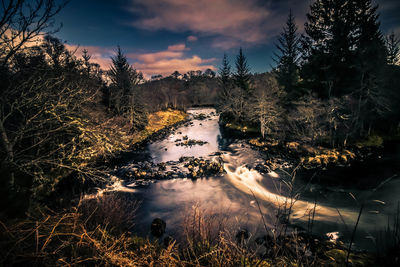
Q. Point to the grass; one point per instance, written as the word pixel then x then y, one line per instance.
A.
pixel 96 233
pixel 158 121
pixel 113 136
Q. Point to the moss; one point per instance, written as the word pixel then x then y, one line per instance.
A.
pixel 323 157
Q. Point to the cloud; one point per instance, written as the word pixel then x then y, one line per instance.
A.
pixel 192 38
pixel 161 62
pixel 167 61
pixel 244 21
pixel 99 55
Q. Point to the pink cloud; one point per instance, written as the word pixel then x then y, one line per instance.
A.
pixel 178 47
pixel 231 22
pixel 192 38
pixel 170 60
pixel 99 55
pixel 161 62
pixel 241 20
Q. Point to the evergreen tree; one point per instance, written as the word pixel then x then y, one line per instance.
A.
pixel 288 59
pixel 124 95
pixel 371 58
pixel 225 76
pixel 225 89
pixel 328 63
pixel 86 57
pixel 242 74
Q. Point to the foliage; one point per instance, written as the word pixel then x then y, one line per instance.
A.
pixel 393 49
pixel 124 97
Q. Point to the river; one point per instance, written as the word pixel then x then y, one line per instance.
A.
pixel 238 195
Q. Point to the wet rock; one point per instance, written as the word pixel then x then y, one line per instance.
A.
pixel 161 166
pixel 158 227
pixel 201 116
pixel 190 142
pixel 184 159
pixel 202 167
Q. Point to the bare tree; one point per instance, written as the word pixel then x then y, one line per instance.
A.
pixel 23 22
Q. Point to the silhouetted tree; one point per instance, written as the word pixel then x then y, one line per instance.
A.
pixel 176 74
pixel 125 98
pixel 289 55
pixel 371 58
pixel 242 74
pixel 209 73
pixel 24 21
pixel 328 47
pixel 224 103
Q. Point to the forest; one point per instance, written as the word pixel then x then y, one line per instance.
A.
pixel 64 120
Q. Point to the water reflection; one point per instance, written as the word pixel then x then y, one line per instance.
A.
pixel 234 194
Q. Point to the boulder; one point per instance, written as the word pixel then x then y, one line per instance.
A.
pixel 158 227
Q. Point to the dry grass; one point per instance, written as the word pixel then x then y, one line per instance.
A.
pixel 112 135
pixel 70 239
pixel 86 235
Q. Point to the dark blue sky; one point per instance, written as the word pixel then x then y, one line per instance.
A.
pixel 160 36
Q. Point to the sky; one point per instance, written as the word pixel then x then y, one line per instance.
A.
pixel 161 36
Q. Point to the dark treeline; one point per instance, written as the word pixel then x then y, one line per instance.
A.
pixel 194 88
pixel 337 83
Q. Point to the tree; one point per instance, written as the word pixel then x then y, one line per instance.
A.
pixel 41 119
pixel 242 74
pixel 20 23
pixel 371 58
pixel 176 74
pixel 124 95
pixel 209 73
pixel 393 49
pixel 267 110
pixel 86 57
pixel 328 47
pixel 288 59
pixel 225 89
pixel 24 21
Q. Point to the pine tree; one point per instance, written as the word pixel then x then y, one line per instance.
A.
pixel 124 94
pixel 288 59
pixel 371 58
pixel 225 89
pixel 225 75
pixel 86 57
pixel 242 74
pixel 328 64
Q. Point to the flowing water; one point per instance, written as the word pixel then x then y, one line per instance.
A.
pixel 242 192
